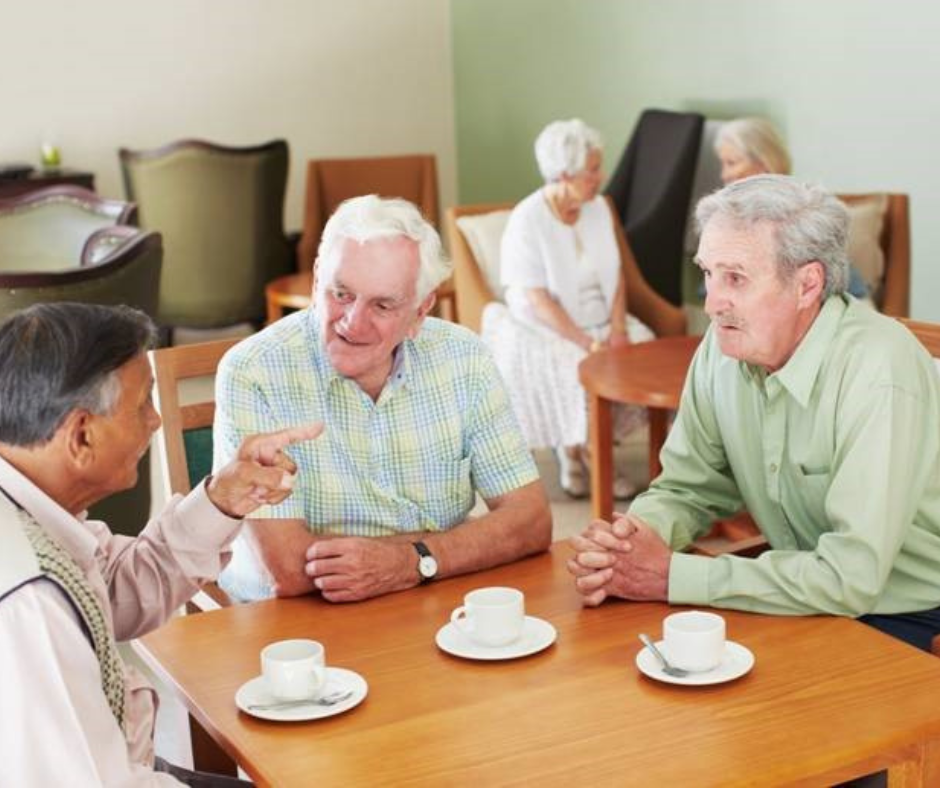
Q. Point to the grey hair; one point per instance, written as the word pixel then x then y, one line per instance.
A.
pixel 57 358
pixel 562 148
pixel 370 217
pixel 757 139
pixel 810 224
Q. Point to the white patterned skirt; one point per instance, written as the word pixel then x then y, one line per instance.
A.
pixel 540 369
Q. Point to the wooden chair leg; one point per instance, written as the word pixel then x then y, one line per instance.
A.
pixel 207 755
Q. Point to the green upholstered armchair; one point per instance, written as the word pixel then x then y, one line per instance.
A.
pixel 220 211
pixel 49 229
pixel 121 266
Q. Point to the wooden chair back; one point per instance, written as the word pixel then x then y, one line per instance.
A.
pixel 331 181
pixel 471 290
pixel 895 293
pixel 184 440
pixel 929 336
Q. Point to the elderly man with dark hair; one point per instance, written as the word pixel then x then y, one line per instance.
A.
pixel 810 410
pixel 75 417
pixel 418 418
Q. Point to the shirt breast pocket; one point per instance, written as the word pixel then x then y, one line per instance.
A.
pixel 444 492
pixel 449 493
pixel 805 503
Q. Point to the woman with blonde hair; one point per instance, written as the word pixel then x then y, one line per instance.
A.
pixel 752 146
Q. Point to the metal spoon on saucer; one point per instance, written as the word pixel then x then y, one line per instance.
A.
pixel 668 669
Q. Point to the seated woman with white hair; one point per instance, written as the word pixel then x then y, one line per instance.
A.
pixel 752 146
pixel 561 264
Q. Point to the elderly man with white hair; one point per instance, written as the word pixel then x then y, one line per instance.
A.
pixel 563 264
pixel 813 412
pixel 417 423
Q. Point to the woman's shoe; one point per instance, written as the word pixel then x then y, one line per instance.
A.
pixel 624 488
pixel 572 475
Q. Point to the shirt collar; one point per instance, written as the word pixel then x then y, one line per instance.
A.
pixel 67 529
pixel 798 375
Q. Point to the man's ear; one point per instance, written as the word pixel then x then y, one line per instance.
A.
pixel 79 435
pixel 812 281
pixel 423 308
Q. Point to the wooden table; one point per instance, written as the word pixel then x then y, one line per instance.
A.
pixel 40 179
pixel 828 699
pixel 650 374
pixel 292 291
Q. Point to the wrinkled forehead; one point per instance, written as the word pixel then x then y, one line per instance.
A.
pixel 730 242
pixel 386 266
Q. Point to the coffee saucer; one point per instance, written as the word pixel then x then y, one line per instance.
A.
pixel 337 680
pixel 536 636
pixel 737 661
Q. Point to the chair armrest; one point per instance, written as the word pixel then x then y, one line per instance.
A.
pixel 104 243
pixel 209 597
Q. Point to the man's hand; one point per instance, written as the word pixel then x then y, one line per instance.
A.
pixel 261 473
pixel 626 559
pixel 348 569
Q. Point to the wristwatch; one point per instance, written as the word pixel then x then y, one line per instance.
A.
pixel 427 563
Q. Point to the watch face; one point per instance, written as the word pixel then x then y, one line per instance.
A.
pixel 427 566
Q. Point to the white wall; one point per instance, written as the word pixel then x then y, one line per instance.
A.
pixel 332 77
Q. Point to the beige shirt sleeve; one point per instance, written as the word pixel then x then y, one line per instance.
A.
pixel 149 577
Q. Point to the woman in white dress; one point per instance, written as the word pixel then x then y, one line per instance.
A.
pixel 561 262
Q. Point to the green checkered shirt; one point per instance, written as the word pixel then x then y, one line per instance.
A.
pixel 441 429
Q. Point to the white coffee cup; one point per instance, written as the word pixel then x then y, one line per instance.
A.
pixel 491 616
pixel 294 669
pixel 694 640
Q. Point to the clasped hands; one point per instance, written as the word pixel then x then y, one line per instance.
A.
pixel 625 558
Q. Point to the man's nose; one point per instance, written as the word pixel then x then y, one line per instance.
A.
pixel 355 316
pixel 715 300
pixel 154 420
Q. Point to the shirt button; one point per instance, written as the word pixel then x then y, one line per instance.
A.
pixel 773 467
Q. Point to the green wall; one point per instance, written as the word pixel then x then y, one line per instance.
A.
pixel 853 84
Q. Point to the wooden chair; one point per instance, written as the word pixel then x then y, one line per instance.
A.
pixel 331 181
pixel 184 441
pixel 184 451
pixel 473 289
pixel 893 297
pixel 929 336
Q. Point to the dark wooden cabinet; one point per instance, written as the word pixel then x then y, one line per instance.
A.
pixel 39 179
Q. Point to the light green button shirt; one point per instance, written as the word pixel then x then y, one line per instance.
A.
pixel 837 458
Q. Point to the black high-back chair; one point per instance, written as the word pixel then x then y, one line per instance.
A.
pixel 651 188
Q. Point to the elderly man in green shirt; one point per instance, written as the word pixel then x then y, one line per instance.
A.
pixel 805 407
